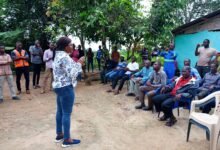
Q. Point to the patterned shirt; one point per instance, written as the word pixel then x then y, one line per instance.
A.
pixel 5 68
pixel 65 70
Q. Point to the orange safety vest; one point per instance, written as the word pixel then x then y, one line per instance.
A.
pixel 20 62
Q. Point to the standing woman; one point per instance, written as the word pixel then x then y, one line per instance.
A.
pixel 90 59
pixel 169 61
pixel 65 72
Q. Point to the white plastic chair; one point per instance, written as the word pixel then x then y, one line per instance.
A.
pixel 210 123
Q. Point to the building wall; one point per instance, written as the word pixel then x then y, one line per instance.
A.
pixel 186 45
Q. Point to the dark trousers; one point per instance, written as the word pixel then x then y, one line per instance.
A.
pixel 121 84
pixel 165 103
pixel 90 62
pixel 19 71
pixel 208 106
pixel 102 75
pixel 99 63
pixel 203 70
pixel 36 74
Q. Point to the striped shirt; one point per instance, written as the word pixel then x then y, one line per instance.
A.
pixel 5 68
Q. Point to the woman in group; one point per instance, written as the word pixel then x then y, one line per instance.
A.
pixel 65 72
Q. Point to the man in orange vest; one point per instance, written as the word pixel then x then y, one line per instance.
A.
pixel 20 58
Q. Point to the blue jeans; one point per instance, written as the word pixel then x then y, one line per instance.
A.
pixel 65 101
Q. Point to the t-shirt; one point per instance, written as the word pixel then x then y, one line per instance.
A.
pixel 158 78
pixel 36 54
pixel 132 66
pixel 205 56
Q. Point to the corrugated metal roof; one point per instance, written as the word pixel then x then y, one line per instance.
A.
pixel 201 19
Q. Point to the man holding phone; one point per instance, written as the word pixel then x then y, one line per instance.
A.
pixel 206 55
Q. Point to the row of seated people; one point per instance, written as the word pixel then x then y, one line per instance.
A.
pixel 161 93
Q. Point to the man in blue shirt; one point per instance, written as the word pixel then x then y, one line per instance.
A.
pixel 99 57
pixel 118 71
pixel 36 59
pixel 139 78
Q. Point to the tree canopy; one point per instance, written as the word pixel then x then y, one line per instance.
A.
pixel 118 21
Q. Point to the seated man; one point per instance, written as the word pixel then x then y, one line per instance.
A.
pixel 118 71
pixel 181 88
pixel 194 71
pixel 108 66
pixel 158 78
pixel 139 78
pixel 209 84
pixel 131 68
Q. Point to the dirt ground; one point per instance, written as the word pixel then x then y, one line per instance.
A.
pixel 101 120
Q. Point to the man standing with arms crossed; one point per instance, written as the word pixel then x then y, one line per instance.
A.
pixel 6 73
pixel 20 58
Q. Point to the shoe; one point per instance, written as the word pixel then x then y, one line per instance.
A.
pixel 136 98
pixel 19 92
pixel 139 106
pixel 146 108
pixel 38 86
pixel 130 94
pixel 35 87
pixel 163 118
pixel 1 101
pixel 109 91
pixel 28 92
pixel 116 92
pixel 58 139
pixel 171 121
pixel 68 144
pixel 15 98
pixel 42 92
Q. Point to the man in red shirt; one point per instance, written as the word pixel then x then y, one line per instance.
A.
pixel 115 55
pixel 179 89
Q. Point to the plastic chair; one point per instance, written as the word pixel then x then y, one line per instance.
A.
pixel 210 123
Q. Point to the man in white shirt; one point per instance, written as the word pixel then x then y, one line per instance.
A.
pixel 48 59
pixel 131 68
pixel 205 54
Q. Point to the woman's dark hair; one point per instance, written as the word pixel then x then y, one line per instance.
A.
pixel 62 43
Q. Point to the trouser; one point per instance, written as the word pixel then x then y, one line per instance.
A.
pixel 150 93
pixel 90 62
pixel 102 75
pixel 122 82
pixel 9 79
pixel 117 78
pixel 201 93
pixel 65 101
pixel 208 106
pixel 48 74
pixel 19 71
pixel 110 75
pixel 36 74
pixel 134 87
pixel 203 70
pixel 169 68
pixel 99 64
pixel 159 99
